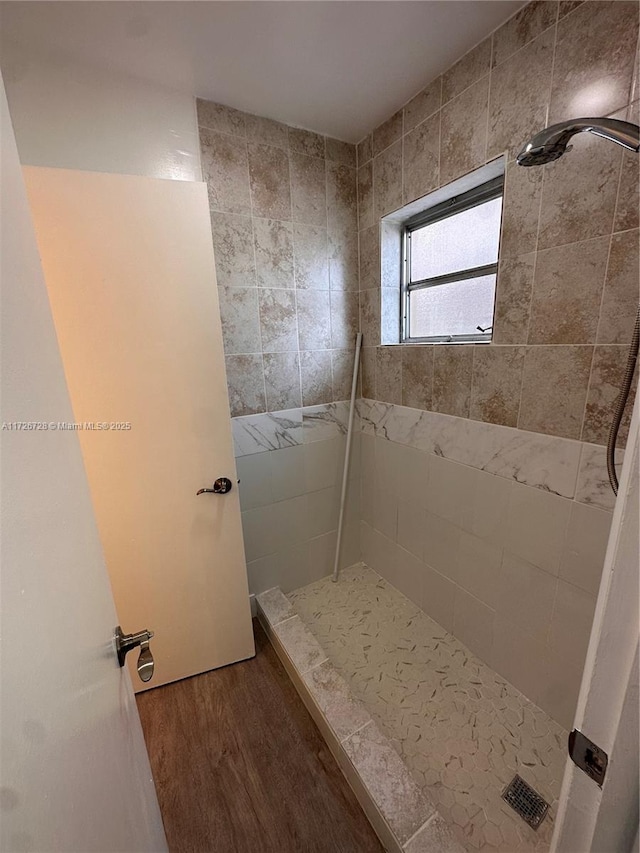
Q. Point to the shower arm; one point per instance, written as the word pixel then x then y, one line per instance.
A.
pixel 551 143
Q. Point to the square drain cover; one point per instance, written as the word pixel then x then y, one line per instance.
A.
pixel 525 801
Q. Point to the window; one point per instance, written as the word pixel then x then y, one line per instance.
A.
pixel 450 260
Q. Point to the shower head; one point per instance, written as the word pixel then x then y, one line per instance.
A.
pixel 551 143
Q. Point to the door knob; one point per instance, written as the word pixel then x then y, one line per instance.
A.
pixel 221 486
pixel 126 642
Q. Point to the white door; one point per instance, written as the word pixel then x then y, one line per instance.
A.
pixel 74 770
pixel 130 271
pixel 593 819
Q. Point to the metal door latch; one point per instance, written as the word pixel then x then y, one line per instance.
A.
pixel 126 642
pixel 588 756
pixel 221 486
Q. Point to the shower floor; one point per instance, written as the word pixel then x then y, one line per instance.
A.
pixel 462 730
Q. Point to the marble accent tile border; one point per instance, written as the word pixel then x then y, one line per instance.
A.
pixel 571 469
pixel 275 430
pixel 327 421
pixel 269 431
pixel 398 811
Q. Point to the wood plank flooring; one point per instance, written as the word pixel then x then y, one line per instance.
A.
pixel 240 766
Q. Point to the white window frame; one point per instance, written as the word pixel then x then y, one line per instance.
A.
pixel 487 191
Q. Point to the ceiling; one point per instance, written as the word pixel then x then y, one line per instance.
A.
pixel 336 67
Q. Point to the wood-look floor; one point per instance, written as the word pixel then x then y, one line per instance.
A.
pixel 240 766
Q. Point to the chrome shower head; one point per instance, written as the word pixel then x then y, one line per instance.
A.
pixel 551 143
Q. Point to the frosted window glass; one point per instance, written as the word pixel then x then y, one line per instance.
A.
pixel 460 242
pixel 456 308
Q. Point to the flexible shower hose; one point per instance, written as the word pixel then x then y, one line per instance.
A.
pixel 621 403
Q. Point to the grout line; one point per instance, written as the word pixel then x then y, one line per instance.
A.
pixel 359 729
pixel 419 830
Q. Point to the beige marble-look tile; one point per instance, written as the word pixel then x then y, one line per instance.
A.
pixel 423 105
pixel 273 243
pixel 364 150
pixel 345 318
pixel 343 260
pixel 496 384
pixel 370 317
pixel 585 547
pixel 220 118
pixel 365 195
pixel 579 192
pixel 342 201
pixel 315 377
pixel 436 836
pixel 267 131
pixel 526 25
pixel 245 383
pixel 567 6
pixel 314 319
pixel 233 250
pixel 452 369
pixel 240 320
pixel 417 377
pixel 627 214
pixel 308 189
pixel 269 175
pixel 513 299
pixel 341 373
pixel 554 389
pixel 421 159
pixel 344 713
pixel 389 374
pixel 225 170
pixel 589 77
pixel 387 180
pixel 621 290
pixel 341 152
pixel 310 250
pixel 519 96
pixel 300 644
pixel 605 382
pixel 277 320
pixel 282 381
pixel 306 142
pixel 473 65
pixel 567 292
pixel 368 371
pixel 369 257
pixel 396 794
pixel 275 605
pixel 387 133
pixel 463 133
pixel 521 209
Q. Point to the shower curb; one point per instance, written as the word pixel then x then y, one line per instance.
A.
pixel 351 741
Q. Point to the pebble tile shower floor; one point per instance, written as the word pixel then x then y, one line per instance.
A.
pixel 462 730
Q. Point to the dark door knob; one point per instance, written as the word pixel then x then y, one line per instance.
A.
pixel 221 486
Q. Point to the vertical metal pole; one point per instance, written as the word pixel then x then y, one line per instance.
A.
pixel 347 455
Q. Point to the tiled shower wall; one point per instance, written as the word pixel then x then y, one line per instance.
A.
pixel 484 493
pixel 284 224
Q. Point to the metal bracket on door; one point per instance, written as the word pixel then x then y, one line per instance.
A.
pixel 588 756
pixel 126 642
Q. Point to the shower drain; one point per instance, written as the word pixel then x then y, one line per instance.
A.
pixel 525 801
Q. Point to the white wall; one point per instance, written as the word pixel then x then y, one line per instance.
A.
pixel 73 116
